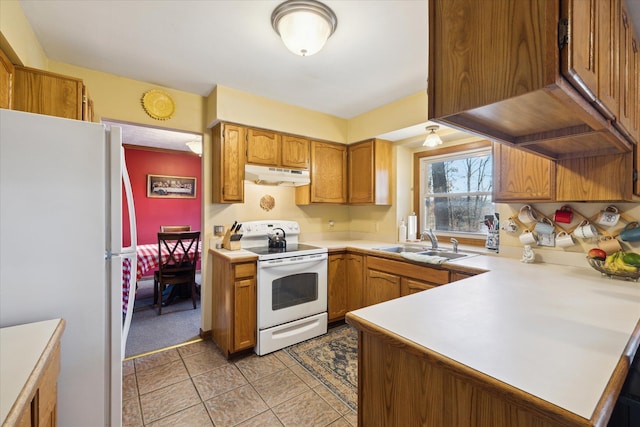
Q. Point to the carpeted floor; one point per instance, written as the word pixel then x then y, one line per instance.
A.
pixel 179 322
pixel 333 359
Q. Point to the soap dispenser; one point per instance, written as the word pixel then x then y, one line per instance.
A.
pixel 402 232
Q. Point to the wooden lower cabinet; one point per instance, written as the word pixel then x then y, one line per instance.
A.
pixel 457 275
pixel 355 281
pixel 387 279
pixel 7 72
pixel 401 384
pixel 412 286
pixel 337 287
pixel 234 302
pixel 380 287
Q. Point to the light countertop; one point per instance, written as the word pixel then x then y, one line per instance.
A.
pixel 23 352
pixel 552 331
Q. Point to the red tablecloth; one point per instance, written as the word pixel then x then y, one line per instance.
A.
pixel 147 256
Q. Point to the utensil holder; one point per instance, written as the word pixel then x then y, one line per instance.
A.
pixel 231 242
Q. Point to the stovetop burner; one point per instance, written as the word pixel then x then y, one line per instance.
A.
pixel 290 249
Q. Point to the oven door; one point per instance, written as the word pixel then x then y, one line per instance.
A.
pixel 291 288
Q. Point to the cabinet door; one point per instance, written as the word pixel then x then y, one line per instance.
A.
pixel 6 81
pixel 263 147
pixel 337 287
pixel 522 176
pixel 578 59
pixel 412 286
pixel 228 163
pixel 380 287
pixel 244 314
pixel 608 57
pixel 328 172
pixel 614 178
pixel 355 280
pixel 361 173
pixel 295 152
pixel 629 75
pixel 456 275
pixel 41 92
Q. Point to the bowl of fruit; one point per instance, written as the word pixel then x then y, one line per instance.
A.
pixel 619 265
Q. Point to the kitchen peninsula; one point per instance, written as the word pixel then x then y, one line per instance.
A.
pixel 523 344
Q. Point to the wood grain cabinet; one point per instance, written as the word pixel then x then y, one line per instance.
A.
pixel 387 279
pixel 355 281
pixel 228 163
pixel 369 165
pixel 522 176
pixel 328 172
pixel 43 92
pixel 504 78
pixel 263 147
pixel 295 152
pixel 7 72
pixel 628 120
pixel 270 148
pixel 337 287
pixel 234 304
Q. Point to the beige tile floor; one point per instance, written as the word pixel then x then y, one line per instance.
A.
pixel 195 385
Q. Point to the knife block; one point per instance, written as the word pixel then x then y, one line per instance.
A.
pixel 230 241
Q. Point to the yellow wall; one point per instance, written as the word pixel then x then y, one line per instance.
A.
pixel 18 39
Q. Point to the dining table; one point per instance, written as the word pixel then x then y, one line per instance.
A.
pixel 147 260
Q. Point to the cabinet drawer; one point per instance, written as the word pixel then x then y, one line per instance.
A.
pixel 247 269
pixel 406 269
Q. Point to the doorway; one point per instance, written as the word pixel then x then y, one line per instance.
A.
pixel 150 153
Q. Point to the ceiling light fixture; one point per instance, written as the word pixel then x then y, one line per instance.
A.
pixel 432 137
pixel 304 25
pixel 195 146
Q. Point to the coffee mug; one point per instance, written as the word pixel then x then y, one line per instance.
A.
pixel 609 244
pixel 564 215
pixel 526 215
pixel 564 240
pixel 527 237
pixel 510 226
pixel 544 226
pixel 608 216
pixel 631 232
pixel 585 230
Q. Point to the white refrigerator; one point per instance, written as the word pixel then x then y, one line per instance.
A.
pixel 61 252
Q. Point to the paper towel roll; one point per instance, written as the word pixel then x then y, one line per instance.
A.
pixel 412 223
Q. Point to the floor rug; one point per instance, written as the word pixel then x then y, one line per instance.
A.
pixel 333 359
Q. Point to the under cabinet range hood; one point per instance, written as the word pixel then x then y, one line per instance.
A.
pixel 266 175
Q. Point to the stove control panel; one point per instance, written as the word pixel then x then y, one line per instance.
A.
pixel 253 231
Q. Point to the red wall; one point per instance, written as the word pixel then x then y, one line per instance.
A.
pixel 151 213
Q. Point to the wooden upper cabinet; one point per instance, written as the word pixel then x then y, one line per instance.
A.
pixel 608 58
pixel 328 175
pixel 609 178
pixel 629 76
pixel 263 147
pixel 295 152
pixel 522 176
pixel 503 78
pixel 7 72
pixel 42 92
pixel 228 163
pixel 369 165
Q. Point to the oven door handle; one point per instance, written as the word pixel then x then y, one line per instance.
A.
pixel 296 260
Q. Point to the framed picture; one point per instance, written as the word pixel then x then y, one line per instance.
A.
pixel 171 187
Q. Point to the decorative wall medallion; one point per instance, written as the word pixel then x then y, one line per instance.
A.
pixel 267 202
pixel 158 104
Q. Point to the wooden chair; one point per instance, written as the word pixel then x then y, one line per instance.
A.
pixel 174 228
pixel 180 266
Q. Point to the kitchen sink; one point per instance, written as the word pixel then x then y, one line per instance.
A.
pixel 403 248
pixel 423 250
pixel 445 254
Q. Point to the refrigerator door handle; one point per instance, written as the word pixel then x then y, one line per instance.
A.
pixel 119 177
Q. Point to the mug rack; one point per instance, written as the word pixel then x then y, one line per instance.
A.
pixel 592 220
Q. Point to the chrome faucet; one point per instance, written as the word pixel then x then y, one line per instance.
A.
pixel 455 244
pixel 432 238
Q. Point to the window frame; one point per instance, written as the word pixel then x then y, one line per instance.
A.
pixel 447 151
